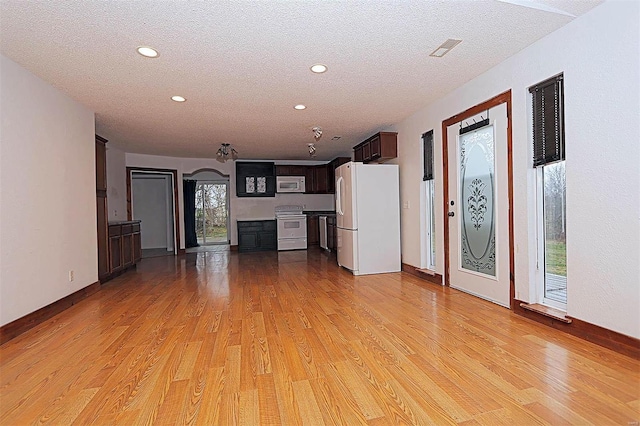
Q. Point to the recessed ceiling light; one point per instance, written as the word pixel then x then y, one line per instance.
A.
pixel 178 98
pixel 300 107
pixel 148 52
pixel 318 68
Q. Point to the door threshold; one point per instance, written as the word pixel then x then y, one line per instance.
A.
pixel 546 311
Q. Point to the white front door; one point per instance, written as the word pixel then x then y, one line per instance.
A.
pixel 478 207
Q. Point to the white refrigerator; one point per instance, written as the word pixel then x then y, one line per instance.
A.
pixel 368 217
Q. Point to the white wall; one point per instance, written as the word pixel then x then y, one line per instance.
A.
pixel 598 54
pixel 116 183
pixel 241 208
pixel 47 194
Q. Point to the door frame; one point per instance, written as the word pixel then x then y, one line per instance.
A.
pixel 503 98
pixel 176 213
pixel 223 178
pixel 226 206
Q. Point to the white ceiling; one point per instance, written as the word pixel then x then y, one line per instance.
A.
pixel 243 65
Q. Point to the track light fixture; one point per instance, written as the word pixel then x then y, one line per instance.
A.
pixel 317 133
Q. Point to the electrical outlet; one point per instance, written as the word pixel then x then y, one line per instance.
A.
pixel 71 275
pixel 406 205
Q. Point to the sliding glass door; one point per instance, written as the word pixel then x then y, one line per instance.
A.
pixel 212 213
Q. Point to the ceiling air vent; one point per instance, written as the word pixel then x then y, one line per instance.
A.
pixel 444 48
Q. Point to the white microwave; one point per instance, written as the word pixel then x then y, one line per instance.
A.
pixel 290 184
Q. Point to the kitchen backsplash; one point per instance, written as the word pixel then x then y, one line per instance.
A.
pixel 261 208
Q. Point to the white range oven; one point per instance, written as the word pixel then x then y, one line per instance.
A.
pixel 292 227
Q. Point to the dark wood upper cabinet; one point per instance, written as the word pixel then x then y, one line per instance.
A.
pixel 101 164
pixel 387 146
pixel 290 170
pixel 380 147
pixel 366 152
pixel 103 238
pixel 321 179
pixel 309 180
pixel 101 208
pixel 376 150
pixel 357 153
pixel 333 165
pixel 255 179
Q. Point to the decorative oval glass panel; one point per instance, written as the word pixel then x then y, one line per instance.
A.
pixel 477 189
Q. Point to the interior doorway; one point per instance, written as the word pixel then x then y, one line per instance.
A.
pixel 151 198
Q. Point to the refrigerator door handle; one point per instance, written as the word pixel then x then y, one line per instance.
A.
pixel 339 184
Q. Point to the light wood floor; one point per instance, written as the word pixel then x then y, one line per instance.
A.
pixel 288 338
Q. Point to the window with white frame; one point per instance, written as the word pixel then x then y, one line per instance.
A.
pixel 429 196
pixel 549 162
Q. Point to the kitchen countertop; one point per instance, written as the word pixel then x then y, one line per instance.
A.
pixel 254 219
pixel 319 212
pixel 123 222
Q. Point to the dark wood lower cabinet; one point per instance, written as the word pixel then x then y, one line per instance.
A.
pixel 137 247
pixel 332 236
pixel 125 248
pixel 268 239
pixel 257 235
pixel 313 230
pixel 115 251
pixel 119 243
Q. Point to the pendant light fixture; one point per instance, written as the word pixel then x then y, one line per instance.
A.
pixel 226 152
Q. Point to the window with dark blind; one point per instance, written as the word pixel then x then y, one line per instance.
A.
pixel 427 142
pixel 548 121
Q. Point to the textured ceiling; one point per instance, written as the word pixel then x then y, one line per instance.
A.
pixel 243 65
